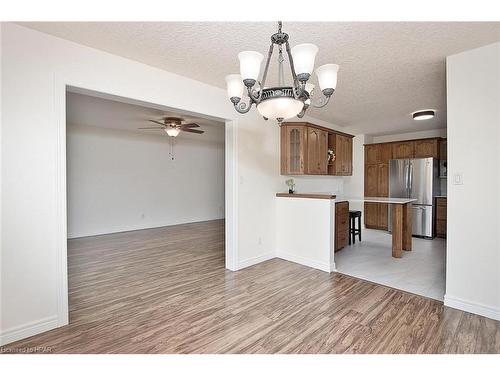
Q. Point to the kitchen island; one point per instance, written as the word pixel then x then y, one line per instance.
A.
pixel 306 226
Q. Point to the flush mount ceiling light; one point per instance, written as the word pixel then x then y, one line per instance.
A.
pixel 425 114
pixel 284 101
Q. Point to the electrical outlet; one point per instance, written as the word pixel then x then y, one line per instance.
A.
pixel 143 216
pixel 260 241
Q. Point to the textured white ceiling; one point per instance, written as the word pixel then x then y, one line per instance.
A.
pixel 387 70
pixel 105 113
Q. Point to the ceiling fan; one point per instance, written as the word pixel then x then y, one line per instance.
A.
pixel 173 126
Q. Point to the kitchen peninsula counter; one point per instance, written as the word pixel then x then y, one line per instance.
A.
pixel 306 226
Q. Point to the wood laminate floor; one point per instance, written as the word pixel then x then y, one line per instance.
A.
pixel 165 290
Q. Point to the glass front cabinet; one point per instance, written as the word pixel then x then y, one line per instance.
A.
pixel 293 139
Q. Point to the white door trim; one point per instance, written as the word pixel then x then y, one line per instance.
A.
pixel 231 194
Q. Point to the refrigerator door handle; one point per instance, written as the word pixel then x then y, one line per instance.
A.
pixel 410 178
pixel 406 177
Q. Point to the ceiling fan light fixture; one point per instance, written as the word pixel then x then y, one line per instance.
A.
pixel 172 132
pixel 425 114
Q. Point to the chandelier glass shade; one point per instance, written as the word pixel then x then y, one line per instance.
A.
pixel 303 58
pixel 281 107
pixel 284 101
pixel 250 62
pixel 235 87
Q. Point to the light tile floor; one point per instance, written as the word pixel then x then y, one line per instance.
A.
pixel 421 271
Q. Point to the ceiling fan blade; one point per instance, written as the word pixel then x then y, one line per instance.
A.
pixel 193 131
pixel 190 126
pixel 157 122
pixel 152 127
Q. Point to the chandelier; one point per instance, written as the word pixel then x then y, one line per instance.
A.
pixel 282 102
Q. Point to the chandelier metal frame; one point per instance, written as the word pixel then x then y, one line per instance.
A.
pixel 257 93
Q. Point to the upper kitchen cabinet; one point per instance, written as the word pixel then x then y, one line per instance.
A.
pixel 427 148
pixel 317 151
pixel 293 146
pixel 342 146
pixel 305 150
pixel 378 153
pixel 403 150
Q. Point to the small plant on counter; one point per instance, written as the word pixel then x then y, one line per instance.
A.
pixel 291 185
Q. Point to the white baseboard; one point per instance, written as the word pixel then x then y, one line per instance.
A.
pixel 26 330
pixel 258 259
pixel 132 228
pixel 306 261
pixel 472 307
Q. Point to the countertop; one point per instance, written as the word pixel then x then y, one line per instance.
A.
pixel 440 196
pixel 327 195
pixel 307 195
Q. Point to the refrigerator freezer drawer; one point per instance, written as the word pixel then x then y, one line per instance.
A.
pixel 422 221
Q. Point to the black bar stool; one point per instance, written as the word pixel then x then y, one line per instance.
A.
pixel 353 231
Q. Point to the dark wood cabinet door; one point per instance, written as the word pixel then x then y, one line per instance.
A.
pixel 371 215
pixel 339 153
pixel 427 148
pixel 341 224
pixel 371 180
pixel 383 215
pixel 312 150
pixel 441 228
pixel 403 150
pixel 348 156
pixel 383 179
pixel 385 152
pixel 317 147
pixel 343 163
pixel 372 154
pixel 323 153
pixel 441 205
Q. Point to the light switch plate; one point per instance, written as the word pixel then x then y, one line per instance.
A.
pixel 458 179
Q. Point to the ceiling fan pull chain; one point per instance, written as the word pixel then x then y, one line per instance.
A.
pixel 172 148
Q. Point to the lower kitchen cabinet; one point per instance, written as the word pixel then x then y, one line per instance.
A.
pixel 441 207
pixel 341 225
pixel 376 216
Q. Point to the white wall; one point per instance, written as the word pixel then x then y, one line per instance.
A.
pixel 1 180
pixel 412 135
pixel 137 185
pixel 473 251
pixel 354 186
pixel 313 217
pixel 34 68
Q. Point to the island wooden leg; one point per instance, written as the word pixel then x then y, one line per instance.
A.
pixel 407 226
pixel 397 230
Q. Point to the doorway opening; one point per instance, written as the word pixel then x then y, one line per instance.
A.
pixel 141 205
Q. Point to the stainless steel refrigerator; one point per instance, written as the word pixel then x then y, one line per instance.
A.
pixel 419 179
